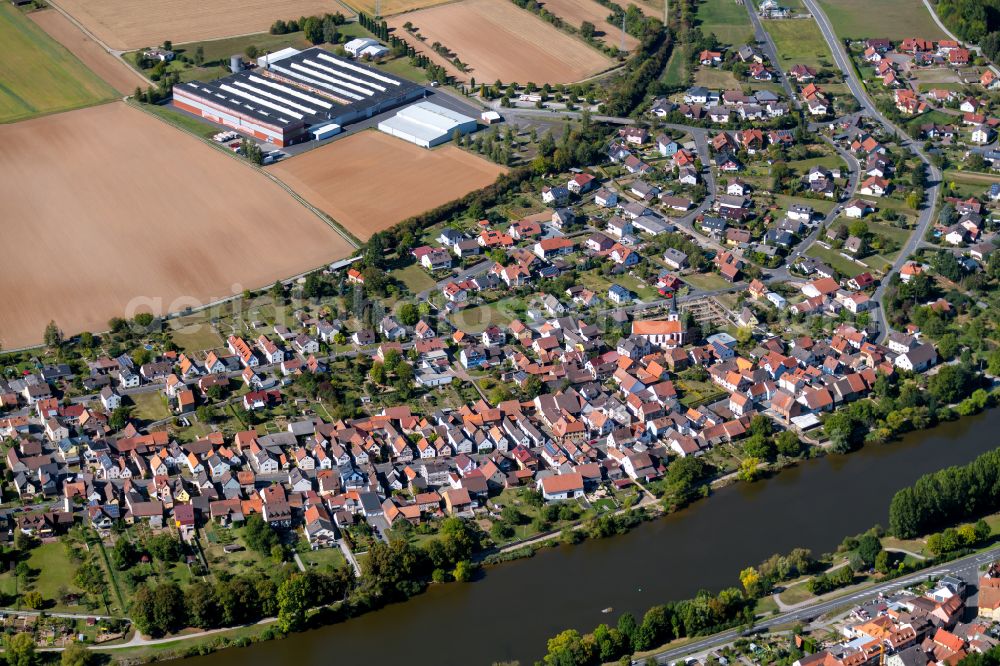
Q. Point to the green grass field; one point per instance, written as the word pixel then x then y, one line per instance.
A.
pixel 149 406
pixel 40 75
pixel 895 19
pixel 185 122
pixel 673 73
pixel 727 19
pixel 54 577
pixel 799 42
pixel 414 277
pixel 196 337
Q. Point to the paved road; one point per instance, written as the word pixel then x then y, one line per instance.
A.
pixel 967 568
pixel 763 37
pixel 933 189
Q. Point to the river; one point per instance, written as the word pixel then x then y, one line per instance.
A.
pixel 515 607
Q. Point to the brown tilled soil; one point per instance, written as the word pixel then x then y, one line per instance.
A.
pixel 500 41
pixel 575 12
pixel 107 211
pixel 370 181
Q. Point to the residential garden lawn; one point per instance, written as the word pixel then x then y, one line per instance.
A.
pixel 696 393
pixel 841 264
pixel 324 558
pixel 728 20
pixel 879 263
pixel 39 74
pixel 895 19
pixel 827 161
pixel 897 204
pixel 195 337
pixel 476 319
pixel 53 577
pixel 798 42
pixel 796 594
pixel 936 117
pixel 884 229
pixel 149 406
pixel 712 77
pixel 414 277
pixel 706 281
pixel 821 205
pixel 969 183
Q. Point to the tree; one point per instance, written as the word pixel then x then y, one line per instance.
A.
pixel 202 605
pixel 294 599
pixel 463 571
pixel 587 30
pixel 408 314
pixel 53 336
pixel 869 547
pixel 124 554
pixel 568 648
pixel 748 470
pixel 950 384
pixel 751 581
pixel 788 443
pixel 33 599
pixel 165 547
pixel 20 650
pixel 76 654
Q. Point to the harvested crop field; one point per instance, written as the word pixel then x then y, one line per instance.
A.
pixel 108 211
pixel 390 7
pixel 370 181
pixel 575 12
pixel 131 24
pixel 498 40
pixel 116 73
pixel 38 75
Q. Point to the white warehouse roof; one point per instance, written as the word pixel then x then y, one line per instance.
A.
pixel 265 60
pixel 426 124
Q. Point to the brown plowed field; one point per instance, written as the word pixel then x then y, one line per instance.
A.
pixel 133 24
pixel 116 73
pixel 108 211
pixel 575 12
pixel 370 181
pixel 499 40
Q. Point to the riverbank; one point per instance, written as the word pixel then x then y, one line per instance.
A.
pixel 812 504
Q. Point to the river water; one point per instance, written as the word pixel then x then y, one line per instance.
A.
pixel 515 607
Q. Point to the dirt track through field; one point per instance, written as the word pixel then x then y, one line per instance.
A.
pixel 370 181
pixel 575 12
pixel 499 40
pixel 133 24
pixel 115 73
pixel 108 211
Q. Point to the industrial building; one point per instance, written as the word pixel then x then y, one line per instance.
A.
pixel 427 124
pixel 294 91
